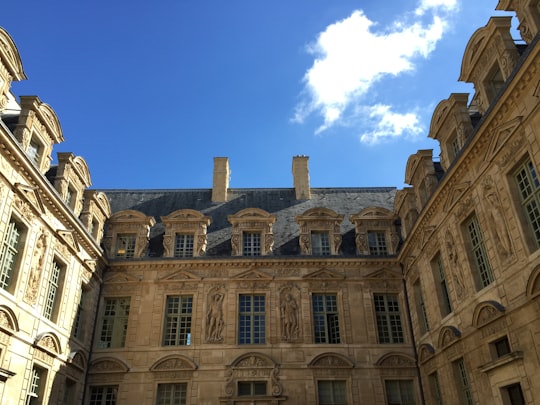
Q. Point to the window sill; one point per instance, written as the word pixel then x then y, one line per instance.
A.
pixel 501 361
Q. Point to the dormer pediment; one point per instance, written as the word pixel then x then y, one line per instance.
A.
pixel 69 238
pixel 253 274
pixel 324 274
pixel 383 273
pixel 181 275
pixel 30 194
pixel 10 58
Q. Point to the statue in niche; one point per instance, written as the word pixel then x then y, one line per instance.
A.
pixel 289 317
pixel 498 226
pixel 30 295
pixel 214 318
pixel 455 268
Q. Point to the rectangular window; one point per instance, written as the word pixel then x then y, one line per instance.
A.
pixel 9 253
pixel 183 245
pixel 70 387
pixel 325 318
pixel 377 243
pixel 36 386
pixel 482 269
pixel 251 388
pixel 125 245
pixel 332 392
pixel 78 325
pixel 420 307
pixel 512 395
pixel 500 347
pixel 399 392
pixel 172 394
pixel 53 286
pixel 441 286
pixel 435 389
pixel 463 382
pixel 320 243
pixel 251 319
pixel 251 243
pixel 33 151
pixel 529 191
pixel 453 147
pixel 177 330
pixel 388 318
pixel 103 395
pixel 115 322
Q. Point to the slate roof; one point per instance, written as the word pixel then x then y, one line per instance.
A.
pixel 280 202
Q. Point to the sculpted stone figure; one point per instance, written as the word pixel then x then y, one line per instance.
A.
pixel 214 318
pixel 289 317
pixel 30 295
pixel 498 226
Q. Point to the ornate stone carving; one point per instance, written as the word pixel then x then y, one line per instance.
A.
pixel 214 315
pixel 455 268
pixel 38 261
pixel 497 223
pixel 289 315
pixel 250 366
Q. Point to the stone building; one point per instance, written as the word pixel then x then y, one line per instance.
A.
pixel 425 295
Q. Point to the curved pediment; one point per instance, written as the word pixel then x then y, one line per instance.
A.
pixel 253 360
pixel 103 202
pixel 331 360
pixel 448 335
pixel 8 321
pixel 425 352
pixel 320 212
pixel 131 216
pixel 184 215
pixel 51 121
pixel 9 56
pixel 533 284
pixel 376 213
pixel 486 312
pixel 473 50
pixel 174 362
pixel 77 359
pixel 439 117
pixel 48 342
pixel 396 360
pixel 81 167
pixel 108 365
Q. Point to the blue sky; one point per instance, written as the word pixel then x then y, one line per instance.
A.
pixel 149 92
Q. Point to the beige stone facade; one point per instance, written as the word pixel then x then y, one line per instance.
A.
pixel 425 295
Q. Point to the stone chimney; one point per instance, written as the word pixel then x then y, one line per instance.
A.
pixel 301 177
pixel 221 179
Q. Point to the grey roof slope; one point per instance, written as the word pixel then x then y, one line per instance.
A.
pixel 278 201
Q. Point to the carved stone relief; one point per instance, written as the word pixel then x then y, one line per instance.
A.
pixel 289 311
pixel 38 261
pixel 497 223
pixel 214 315
pixel 455 268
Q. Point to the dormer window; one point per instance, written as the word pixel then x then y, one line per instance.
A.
pixel 183 245
pixel 377 243
pixel 252 232
pixel 34 151
pixel 251 243
pixel 494 81
pixel 320 233
pixel 125 245
pixel 453 147
pixel 320 243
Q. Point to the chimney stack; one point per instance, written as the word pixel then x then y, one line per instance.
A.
pixel 301 177
pixel 221 179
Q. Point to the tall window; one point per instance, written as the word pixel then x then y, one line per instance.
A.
pixel 463 382
pixel 70 387
pixel 420 307
pixel 399 392
pixel 251 243
pixel 320 243
pixel 115 322
pixel 172 394
pixel 453 147
pixel 435 388
pixel 441 286
pixel 9 253
pixel 377 243
pixel 332 392
pixel 325 318
pixel 53 286
pixel 103 395
pixel 125 245
pixel 177 330
pixel 183 245
pixel 512 395
pixel 388 317
pixel 36 386
pixel 529 190
pixel 78 326
pixel 482 269
pixel 251 319
pixel 251 388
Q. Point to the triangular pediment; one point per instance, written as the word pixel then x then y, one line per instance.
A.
pixel 31 195
pixel 118 277
pixel 500 136
pixel 253 274
pixel 181 275
pixel 384 273
pixel 69 237
pixel 324 274
pixel 455 195
pixel 426 233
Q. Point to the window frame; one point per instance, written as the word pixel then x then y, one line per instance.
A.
pixel 183 393
pixel 390 327
pixel 334 385
pixel 184 244
pixel 254 320
pixel 421 311
pixel 463 381
pixel 37 384
pixel 326 328
pixel 377 243
pixel 53 296
pixel 119 323
pixel 252 243
pixel 253 386
pixel 179 320
pixel 125 245
pixel 402 386
pixel 110 391
pixel 441 285
pixel 479 259
pixel 320 243
pixel 13 251
pixel 528 199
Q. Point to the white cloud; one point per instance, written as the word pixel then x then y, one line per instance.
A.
pixel 388 124
pixel 350 57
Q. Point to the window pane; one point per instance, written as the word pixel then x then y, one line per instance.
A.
pixel 332 392
pixel 172 394
pixel 103 395
pixel 325 318
pixel 377 243
pixel 115 322
pixel 125 246
pixel 177 330
pixel 483 274
pixel 251 319
pixel 183 245
pixel 251 244
pixel 320 243
pixel 388 318
pixel 9 253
